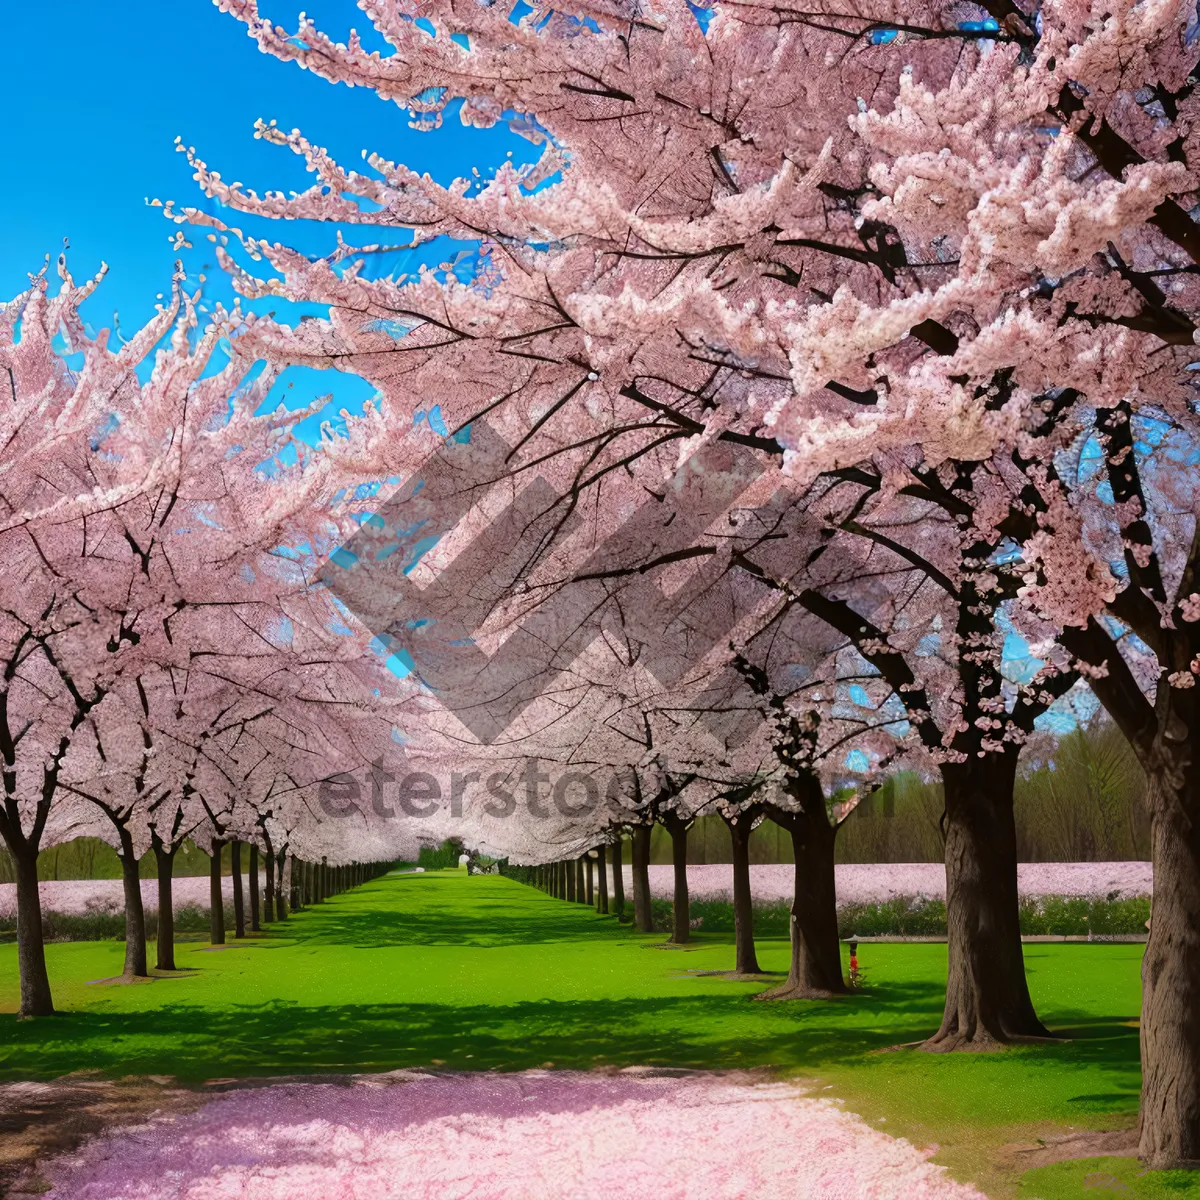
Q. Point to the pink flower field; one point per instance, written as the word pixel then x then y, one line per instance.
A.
pixel 80 897
pixel 877 882
pixel 551 1135
pixel 856 884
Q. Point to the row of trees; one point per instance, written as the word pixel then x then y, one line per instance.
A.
pixel 166 671
pixel 797 434
pixel 831 347
pixel 285 886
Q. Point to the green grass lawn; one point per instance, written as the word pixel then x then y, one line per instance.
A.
pixel 484 973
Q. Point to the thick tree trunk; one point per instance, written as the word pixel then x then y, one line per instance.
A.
pixel 643 914
pixel 618 874
pixel 239 905
pixel 31 951
pixel 602 880
pixel 816 967
pixel 135 914
pixel 164 860
pixel 591 892
pixel 255 925
pixel 987 995
pixel 745 959
pixel 580 882
pixel 569 871
pixel 269 886
pixel 216 902
pixel 681 928
pixel 1170 1028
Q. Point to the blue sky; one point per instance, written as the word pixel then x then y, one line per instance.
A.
pixel 94 96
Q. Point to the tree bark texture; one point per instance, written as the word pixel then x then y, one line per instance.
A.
pixel 135 913
pixel 164 861
pixel 745 958
pixel 987 995
pixel 216 902
pixel 816 966
pixel 643 913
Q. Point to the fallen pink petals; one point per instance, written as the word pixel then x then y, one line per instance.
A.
pixel 508 1137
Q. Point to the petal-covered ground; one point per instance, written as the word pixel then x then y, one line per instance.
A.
pixel 875 883
pixel 561 1135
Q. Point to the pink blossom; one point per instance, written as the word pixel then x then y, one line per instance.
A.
pixel 527 1136
pixel 85 897
pixel 875 883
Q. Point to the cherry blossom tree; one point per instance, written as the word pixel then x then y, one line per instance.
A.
pixel 617 348
pixel 146 524
pixel 961 250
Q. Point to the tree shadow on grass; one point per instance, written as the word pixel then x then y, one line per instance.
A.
pixel 193 1043
pixel 491 913
pixel 722 1030
pixel 481 928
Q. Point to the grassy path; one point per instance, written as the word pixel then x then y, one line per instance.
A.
pixel 482 973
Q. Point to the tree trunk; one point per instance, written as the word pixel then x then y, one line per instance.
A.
pixel 239 906
pixel 987 995
pixel 816 966
pixel 164 860
pixel 569 870
pixel 681 931
pixel 135 914
pixel 216 902
pixel 281 906
pixel 1170 1029
pixel 602 880
pixel 745 959
pixel 31 951
pixel 591 893
pixel 643 914
pixel 255 925
pixel 269 885
pixel 580 884
pixel 618 874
